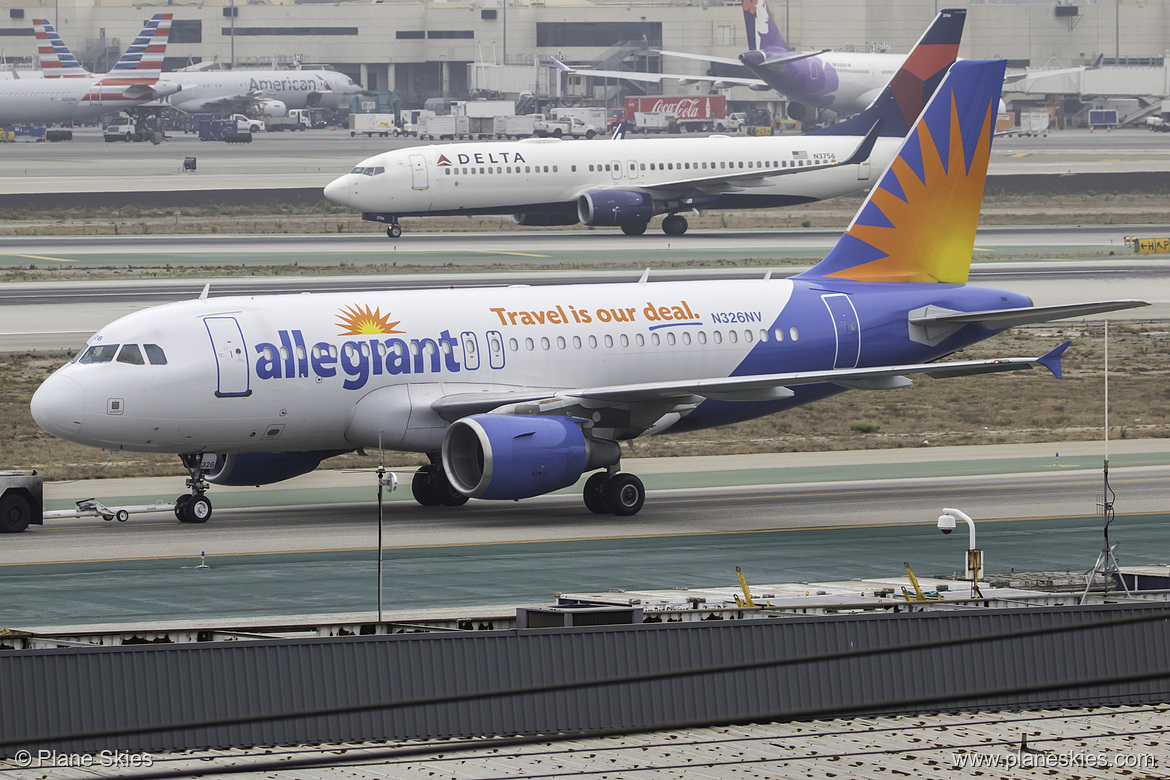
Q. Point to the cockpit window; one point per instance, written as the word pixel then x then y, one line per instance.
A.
pixel 99 353
pixel 130 353
pixel 369 170
pixel 155 354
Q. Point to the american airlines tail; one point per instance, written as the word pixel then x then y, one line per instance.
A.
pixel 55 58
pixel 911 88
pixel 918 224
pixel 142 62
pixel 762 32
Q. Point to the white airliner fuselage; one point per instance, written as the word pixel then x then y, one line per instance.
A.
pixel 552 181
pixel 275 91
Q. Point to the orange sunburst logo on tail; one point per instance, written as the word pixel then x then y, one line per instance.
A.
pixel 355 321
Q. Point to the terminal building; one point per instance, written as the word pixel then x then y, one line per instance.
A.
pixel 467 48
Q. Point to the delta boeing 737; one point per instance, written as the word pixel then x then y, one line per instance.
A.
pixel 515 392
pixel 625 182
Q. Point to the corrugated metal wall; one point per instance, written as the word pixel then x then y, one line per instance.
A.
pixel 52 693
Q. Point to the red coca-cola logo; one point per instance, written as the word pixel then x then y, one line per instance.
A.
pixel 683 108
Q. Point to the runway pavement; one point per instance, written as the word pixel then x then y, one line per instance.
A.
pixel 314 158
pixel 308 546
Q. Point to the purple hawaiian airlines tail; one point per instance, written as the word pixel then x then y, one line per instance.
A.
pixel 911 88
pixel 918 224
pixel 762 32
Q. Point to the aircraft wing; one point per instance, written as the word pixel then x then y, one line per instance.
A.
pixel 678 188
pixel 655 78
pixel 1013 78
pixel 702 57
pixel 235 103
pixel 657 399
pixel 151 91
pixel 998 319
pixel 791 57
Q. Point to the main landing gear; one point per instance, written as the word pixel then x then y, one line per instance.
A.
pixel 674 225
pixel 614 493
pixel 432 488
pixel 394 230
pixel 194 507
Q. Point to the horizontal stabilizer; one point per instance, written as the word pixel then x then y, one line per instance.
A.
pixel 1010 318
pixel 797 56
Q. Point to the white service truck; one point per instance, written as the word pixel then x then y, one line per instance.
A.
pixel 372 124
pixel 568 127
pixel 296 119
pixel 246 124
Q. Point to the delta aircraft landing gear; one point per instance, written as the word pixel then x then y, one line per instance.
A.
pixel 674 225
pixel 194 507
pixel 394 230
pixel 614 493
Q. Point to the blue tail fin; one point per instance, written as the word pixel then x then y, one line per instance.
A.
pixel 911 88
pixel 918 224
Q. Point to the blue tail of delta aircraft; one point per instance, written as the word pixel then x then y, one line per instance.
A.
pixel 918 224
pixel 911 88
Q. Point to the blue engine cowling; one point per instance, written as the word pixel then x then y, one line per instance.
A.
pixel 264 468
pixel 505 456
pixel 607 208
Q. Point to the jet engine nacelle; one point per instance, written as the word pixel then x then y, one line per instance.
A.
pixel 797 111
pixel 545 219
pixel 264 468
pixel 504 456
pixel 272 107
pixel 607 208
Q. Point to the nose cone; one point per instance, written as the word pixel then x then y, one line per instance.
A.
pixel 338 191
pixel 58 406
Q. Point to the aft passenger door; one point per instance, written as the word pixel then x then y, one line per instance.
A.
pixel 847 328
pixel 231 357
pixel 418 172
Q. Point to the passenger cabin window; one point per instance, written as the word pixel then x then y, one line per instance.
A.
pixel 99 353
pixel 131 354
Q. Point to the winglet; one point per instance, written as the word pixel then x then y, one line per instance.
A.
pixel 206 289
pixel 619 131
pixel 865 148
pixel 560 65
pixel 1051 361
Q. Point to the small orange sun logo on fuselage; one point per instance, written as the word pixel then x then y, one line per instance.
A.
pixel 357 322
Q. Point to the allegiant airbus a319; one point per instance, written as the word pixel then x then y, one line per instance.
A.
pixel 516 392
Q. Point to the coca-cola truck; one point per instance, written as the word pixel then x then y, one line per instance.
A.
pixel 694 114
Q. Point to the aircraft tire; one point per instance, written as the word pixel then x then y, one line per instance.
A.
pixel 448 496
pixel 594 494
pixel 674 225
pixel 394 231
pixel 422 488
pixel 634 228
pixel 15 513
pixel 625 494
pixel 197 509
pixel 180 502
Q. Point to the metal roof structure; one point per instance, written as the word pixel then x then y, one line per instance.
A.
pixel 1105 742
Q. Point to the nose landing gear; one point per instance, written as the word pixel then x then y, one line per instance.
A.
pixel 194 507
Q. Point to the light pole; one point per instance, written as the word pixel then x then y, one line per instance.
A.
pixel 946 524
